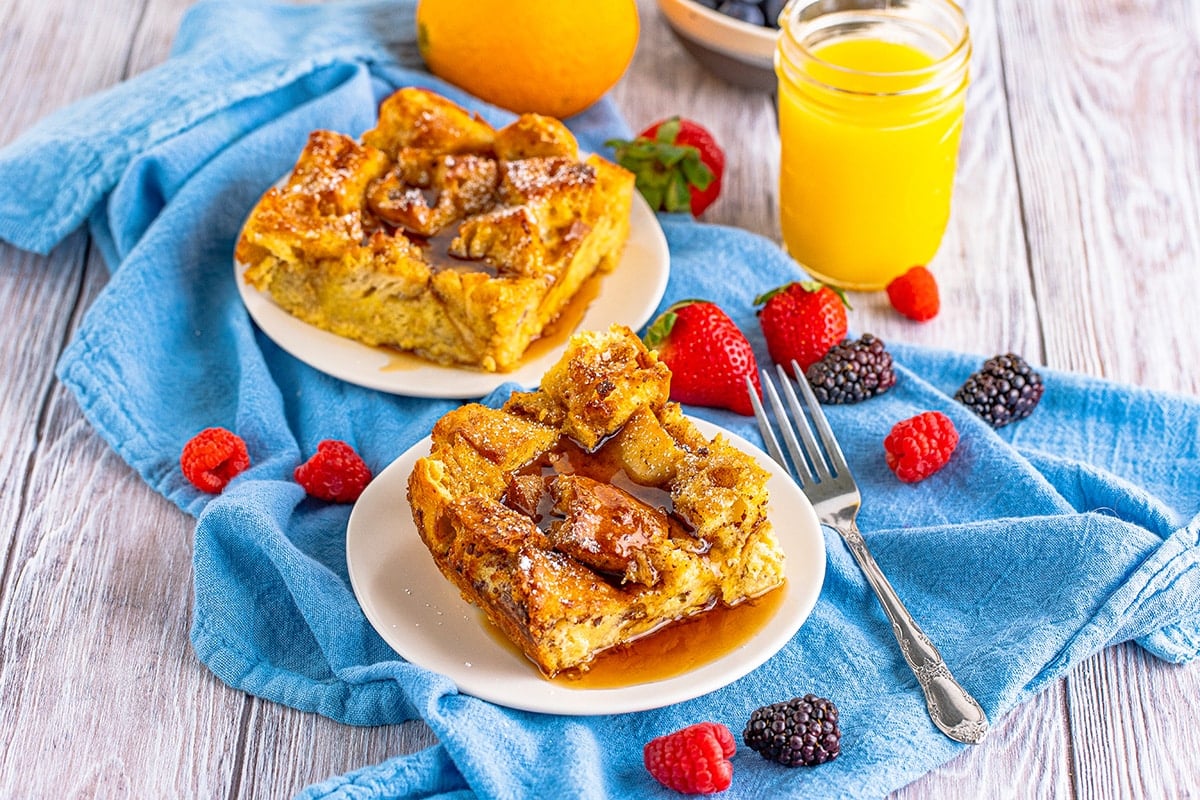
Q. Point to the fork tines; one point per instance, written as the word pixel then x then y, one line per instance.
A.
pixel 809 462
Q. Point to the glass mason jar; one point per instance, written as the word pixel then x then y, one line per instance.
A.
pixel 871 99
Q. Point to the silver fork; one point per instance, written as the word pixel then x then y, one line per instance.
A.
pixel 834 494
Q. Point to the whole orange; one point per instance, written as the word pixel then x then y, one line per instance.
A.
pixel 552 57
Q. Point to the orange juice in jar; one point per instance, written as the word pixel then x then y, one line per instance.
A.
pixel 871 98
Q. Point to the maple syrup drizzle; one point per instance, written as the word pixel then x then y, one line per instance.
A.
pixel 436 250
pixel 566 457
pixel 678 646
pixel 556 333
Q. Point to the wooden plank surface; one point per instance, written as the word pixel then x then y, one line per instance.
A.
pixel 1075 239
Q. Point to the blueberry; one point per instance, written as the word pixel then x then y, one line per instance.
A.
pixel 709 3
pixel 746 12
pixel 771 10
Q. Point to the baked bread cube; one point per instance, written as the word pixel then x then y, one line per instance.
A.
pixel 438 234
pixel 592 512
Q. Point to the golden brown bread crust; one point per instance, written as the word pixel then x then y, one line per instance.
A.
pixel 438 234
pixel 592 511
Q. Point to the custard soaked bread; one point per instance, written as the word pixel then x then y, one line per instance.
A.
pixel 438 234
pixel 592 511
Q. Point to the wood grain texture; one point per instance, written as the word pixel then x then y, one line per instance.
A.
pixel 1104 107
pixel 1026 756
pixel 1103 101
pixel 58 52
pixel 1077 208
pixel 95 628
pixel 323 749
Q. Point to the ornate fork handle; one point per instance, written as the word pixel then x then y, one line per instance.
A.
pixel 955 712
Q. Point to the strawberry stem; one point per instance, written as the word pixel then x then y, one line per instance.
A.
pixel 664 172
pixel 808 286
pixel 660 329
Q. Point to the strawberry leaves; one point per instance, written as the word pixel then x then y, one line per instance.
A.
pixel 808 286
pixel 676 165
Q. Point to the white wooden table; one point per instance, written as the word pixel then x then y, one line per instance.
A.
pixel 1075 240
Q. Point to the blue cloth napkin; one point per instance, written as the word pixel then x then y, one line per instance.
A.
pixel 1037 546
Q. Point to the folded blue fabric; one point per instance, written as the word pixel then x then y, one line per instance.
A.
pixel 1037 546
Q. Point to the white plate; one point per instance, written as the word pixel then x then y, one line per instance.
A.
pixel 628 295
pixel 422 616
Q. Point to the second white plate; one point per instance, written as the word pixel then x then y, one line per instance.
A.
pixel 424 619
pixel 628 295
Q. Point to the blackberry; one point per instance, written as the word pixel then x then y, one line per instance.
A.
pixel 852 372
pixel 1004 390
pixel 801 731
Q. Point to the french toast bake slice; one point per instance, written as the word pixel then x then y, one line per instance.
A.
pixel 438 234
pixel 592 512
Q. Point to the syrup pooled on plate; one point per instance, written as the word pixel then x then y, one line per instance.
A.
pixel 674 650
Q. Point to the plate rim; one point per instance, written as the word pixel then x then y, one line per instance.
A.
pixel 802 527
pixel 366 366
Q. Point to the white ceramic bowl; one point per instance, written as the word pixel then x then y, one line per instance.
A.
pixel 737 51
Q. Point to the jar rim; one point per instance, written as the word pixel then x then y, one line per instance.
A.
pixel 919 80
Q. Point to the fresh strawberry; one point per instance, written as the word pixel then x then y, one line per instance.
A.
pixel 801 321
pixel 709 356
pixel 915 294
pixel 677 162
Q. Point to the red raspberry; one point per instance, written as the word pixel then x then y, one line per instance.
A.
pixel 693 760
pixel 802 321
pixel 915 294
pixel 212 457
pixel 919 446
pixel 335 473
